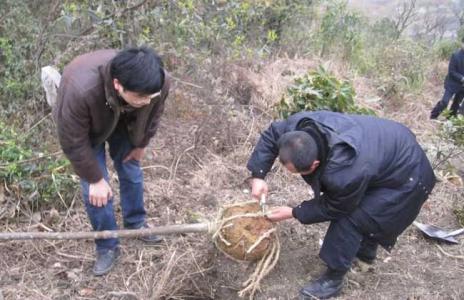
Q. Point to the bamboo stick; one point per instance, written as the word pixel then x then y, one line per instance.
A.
pixel 107 234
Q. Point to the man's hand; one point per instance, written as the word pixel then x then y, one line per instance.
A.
pixel 258 188
pixel 99 193
pixel 280 213
pixel 134 154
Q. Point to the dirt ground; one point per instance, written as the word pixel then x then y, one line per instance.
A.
pixel 195 165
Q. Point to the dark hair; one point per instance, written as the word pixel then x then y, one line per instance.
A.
pixel 299 148
pixel 138 70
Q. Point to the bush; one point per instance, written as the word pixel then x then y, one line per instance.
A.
pixel 453 128
pixel 319 90
pixel 37 33
pixel 15 72
pixel 400 67
pixel 444 49
pixel 383 31
pixel 36 181
pixel 395 65
pixel 341 31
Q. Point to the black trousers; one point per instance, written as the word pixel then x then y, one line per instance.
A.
pixel 443 103
pixel 372 224
pixel 349 237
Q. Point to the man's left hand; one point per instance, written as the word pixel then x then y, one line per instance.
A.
pixel 280 213
pixel 135 154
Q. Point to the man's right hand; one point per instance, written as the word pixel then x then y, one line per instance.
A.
pixel 99 193
pixel 258 188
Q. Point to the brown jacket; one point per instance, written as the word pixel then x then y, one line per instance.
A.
pixel 88 110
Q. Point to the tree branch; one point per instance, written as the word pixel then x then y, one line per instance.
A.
pixel 107 234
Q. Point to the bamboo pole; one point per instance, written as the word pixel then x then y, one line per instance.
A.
pixel 107 234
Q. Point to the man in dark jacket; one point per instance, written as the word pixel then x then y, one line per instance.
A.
pixel 369 176
pixel 454 85
pixel 115 97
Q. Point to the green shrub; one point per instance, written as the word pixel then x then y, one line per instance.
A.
pixel 37 179
pixel 444 48
pixel 341 31
pixel 383 31
pixel 400 67
pixel 319 90
pixel 15 82
pixel 453 128
pixel 396 66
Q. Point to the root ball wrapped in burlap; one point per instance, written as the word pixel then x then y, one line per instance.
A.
pixel 244 233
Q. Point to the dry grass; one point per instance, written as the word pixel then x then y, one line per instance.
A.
pixel 198 165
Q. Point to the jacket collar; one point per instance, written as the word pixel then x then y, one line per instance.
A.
pixel 111 101
pixel 112 98
pixel 310 127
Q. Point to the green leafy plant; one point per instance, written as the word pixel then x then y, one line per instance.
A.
pixel 36 179
pixel 319 90
pixel 400 68
pixel 445 48
pixel 453 128
pixel 341 31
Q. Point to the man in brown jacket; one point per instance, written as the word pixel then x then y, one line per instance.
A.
pixel 118 98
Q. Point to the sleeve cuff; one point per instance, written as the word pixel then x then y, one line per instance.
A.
pixel 309 212
pixel 260 174
pixel 143 145
pixel 92 178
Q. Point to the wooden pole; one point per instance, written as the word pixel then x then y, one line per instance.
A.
pixel 107 234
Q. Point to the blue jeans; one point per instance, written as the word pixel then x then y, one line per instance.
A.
pixel 130 186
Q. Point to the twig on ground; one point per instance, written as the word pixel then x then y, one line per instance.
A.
pixel 75 257
pixel 36 124
pixel 122 294
pixel 172 177
pixel 139 263
pixel 197 265
pixel 159 287
pixel 448 254
pixel 41 225
pixel 68 211
pixel 128 281
pixel 354 282
pixel 156 167
pixel 185 82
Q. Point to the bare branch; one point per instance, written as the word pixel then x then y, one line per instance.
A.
pixel 458 11
pixel 406 16
pixel 107 234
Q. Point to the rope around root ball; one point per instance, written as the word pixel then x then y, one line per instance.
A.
pixel 265 265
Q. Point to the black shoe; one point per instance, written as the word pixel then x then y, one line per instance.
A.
pixel 368 251
pixel 105 262
pixel 150 239
pixel 365 259
pixel 328 285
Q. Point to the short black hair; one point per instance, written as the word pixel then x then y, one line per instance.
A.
pixel 298 148
pixel 138 70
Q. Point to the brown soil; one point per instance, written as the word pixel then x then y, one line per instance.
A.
pixel 194 166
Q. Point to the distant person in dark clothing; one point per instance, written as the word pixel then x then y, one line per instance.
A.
pixel 370 178
pixel 454 85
